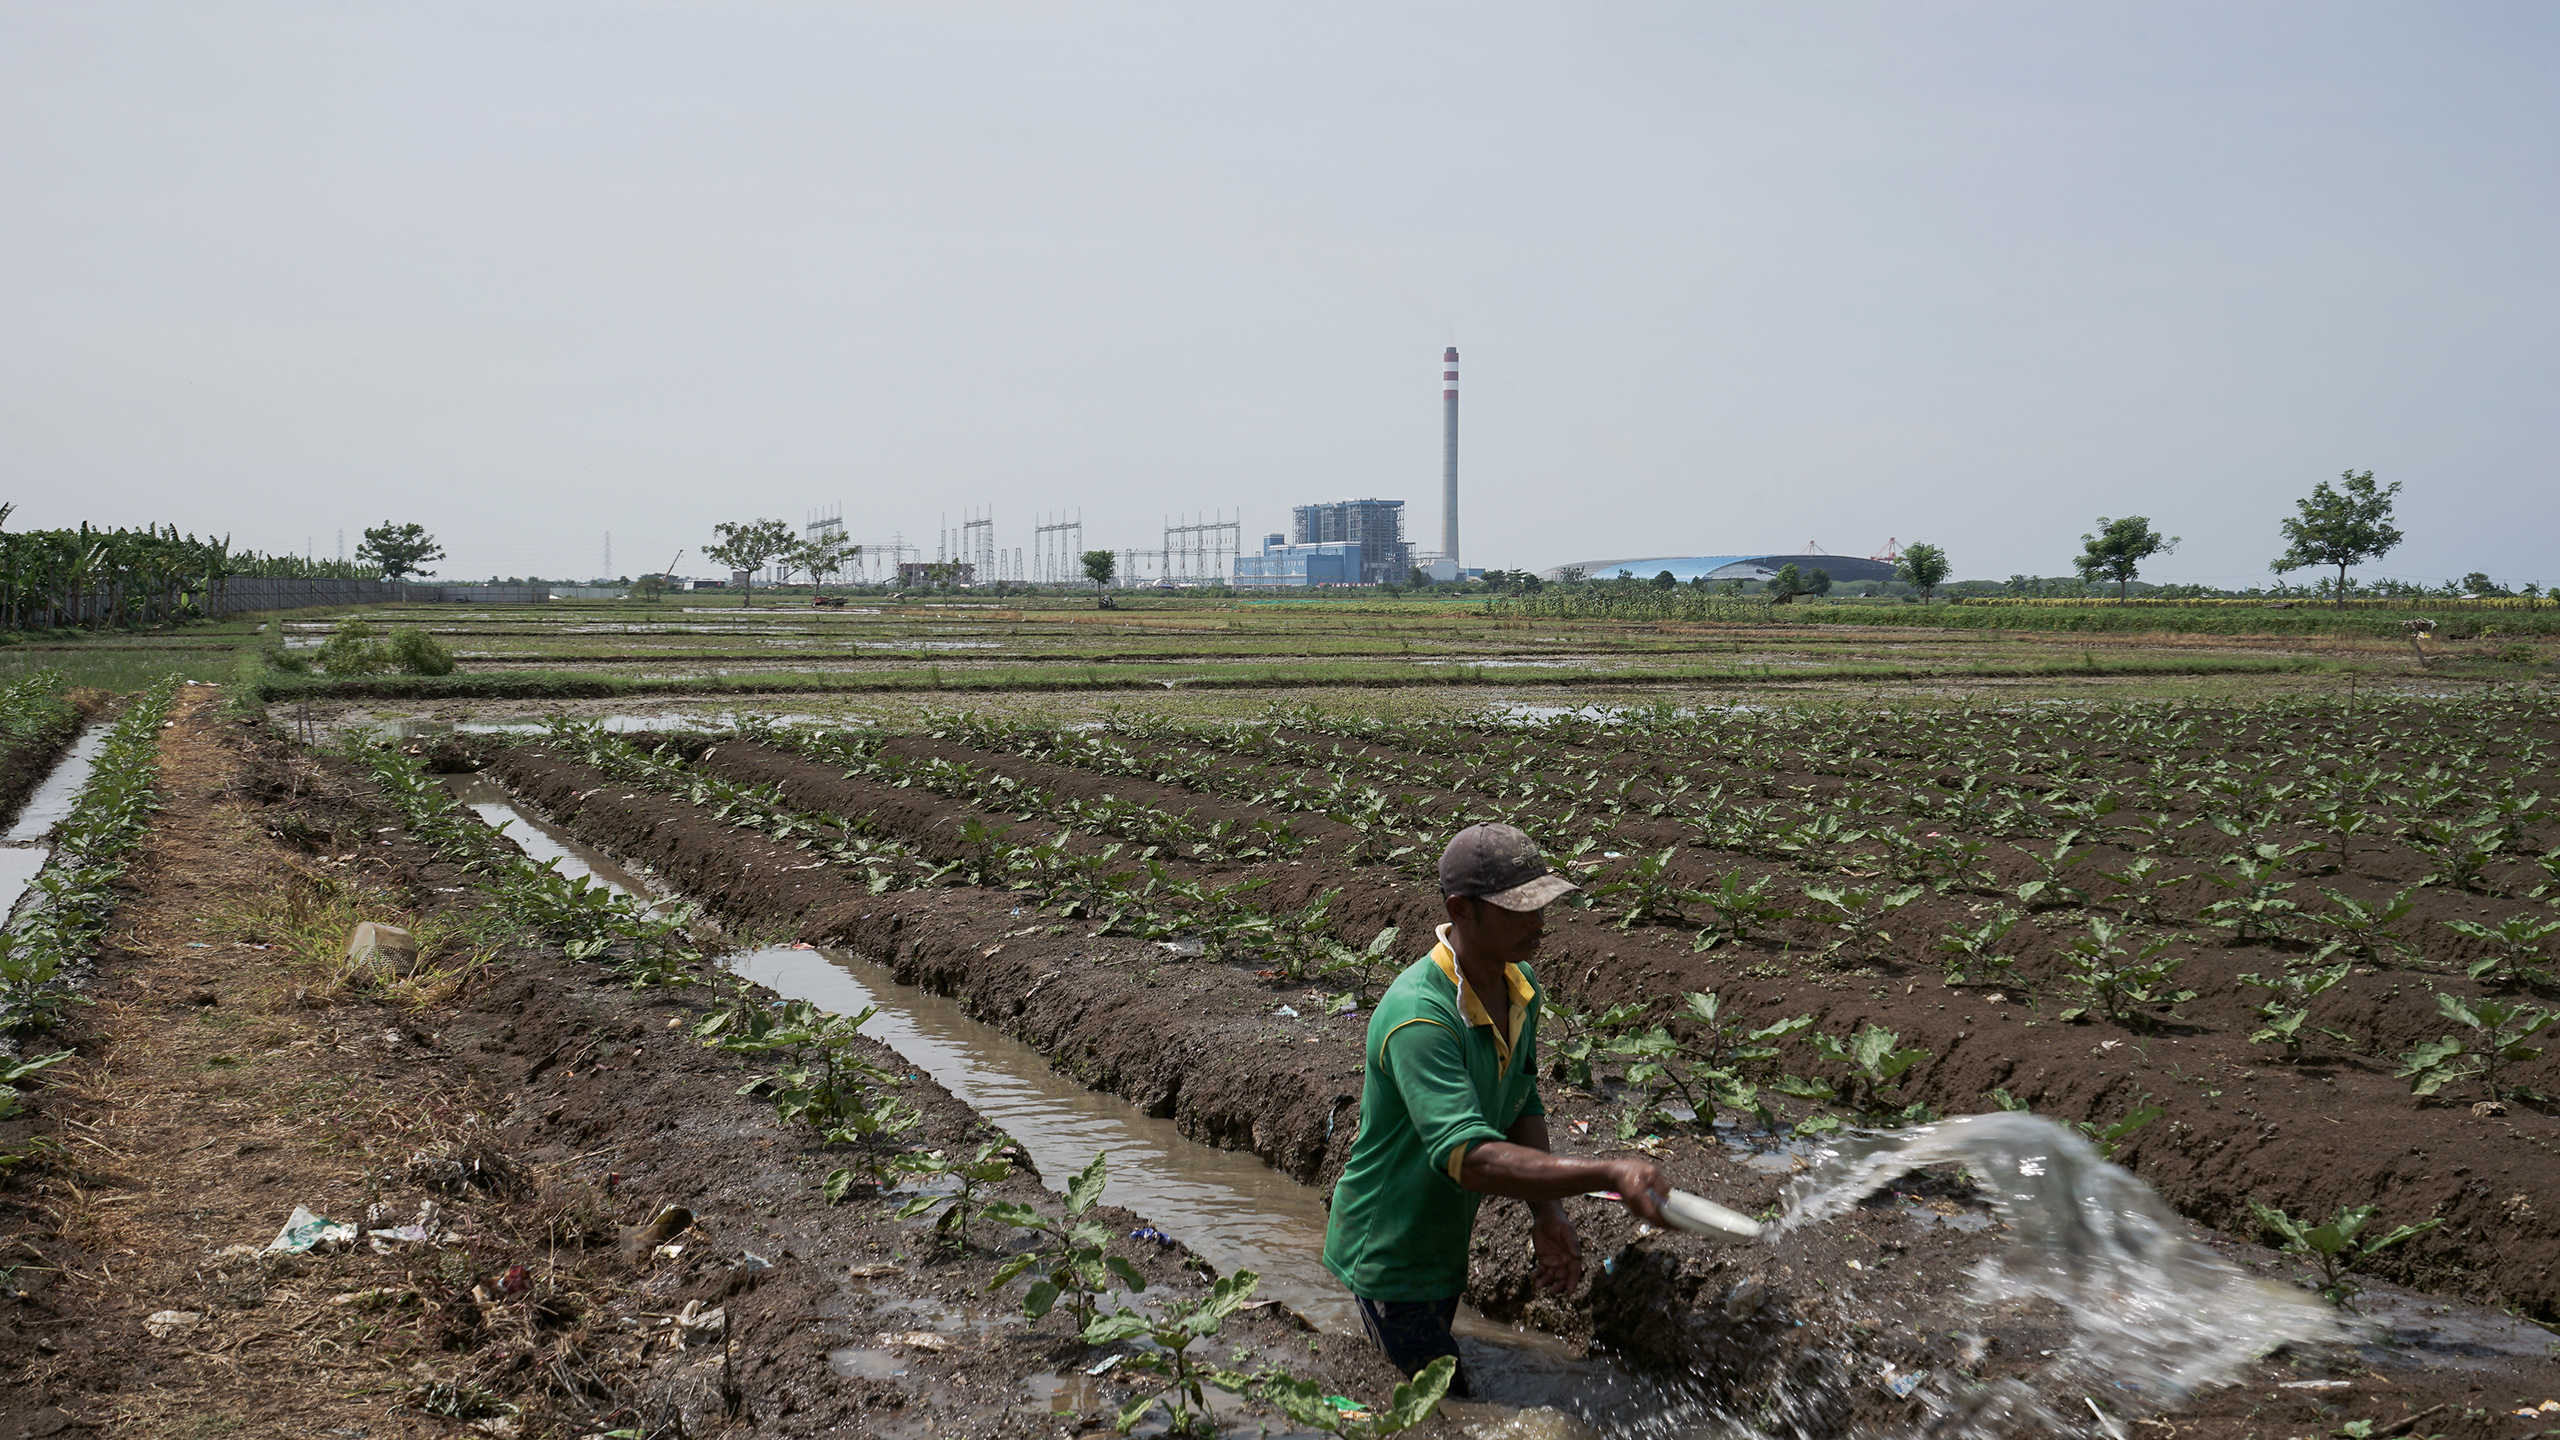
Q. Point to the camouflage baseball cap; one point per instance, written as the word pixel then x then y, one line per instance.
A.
pixel 1502 866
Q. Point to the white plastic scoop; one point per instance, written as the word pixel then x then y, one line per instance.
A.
pixel 1699 1216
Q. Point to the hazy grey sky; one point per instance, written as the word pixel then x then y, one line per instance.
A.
pixel 1725 277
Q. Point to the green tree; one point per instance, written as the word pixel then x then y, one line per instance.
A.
pixel 2117 551
pixel 1665 581
pixel 401 550
pixel 2342 526
pixel 1923 567
pixel 1787 584
pixel 1817 581
pixel 1099 567
pixel 825 556
pixel 747 547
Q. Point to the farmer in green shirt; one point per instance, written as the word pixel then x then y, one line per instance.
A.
pixel 1449 1112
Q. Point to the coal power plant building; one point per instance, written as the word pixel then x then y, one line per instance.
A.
pixel 1341 542
pixel 1843 569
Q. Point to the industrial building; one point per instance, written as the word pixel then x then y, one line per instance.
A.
pixel 1375 526
pixel 1344 542
pixel 1335 562
pixel 1843 569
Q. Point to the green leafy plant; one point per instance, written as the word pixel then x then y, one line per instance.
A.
pixel 822 1081
pixel 1874 1060
pixel 1168 1338
pixel 418 652
pixel 2053 884
pixel 2499 1031
pixel 2142 886
pixel 1974 954
pixel 963 1204
pixel 2364 928
pixel 1371 968
pixel 14 1070
pixel 1654 895
pixel 67 907
pixel 1740 909
pixel 2110 1137
pixel 1855 913
pixel 2259 910
pixel 2462 853
pixel 2336 1245
pixel 1572 1038
pixel 1717 1067
pixel 2116 984
pixel 2288 1004
pixel 2515 949
pixel 1306 1402
pixel 1076 1268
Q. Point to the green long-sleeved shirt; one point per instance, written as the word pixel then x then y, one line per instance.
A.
pixel 1439 1081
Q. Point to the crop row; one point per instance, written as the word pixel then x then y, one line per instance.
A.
pixel 590 920
pixel 2227 850
pixel 2081 964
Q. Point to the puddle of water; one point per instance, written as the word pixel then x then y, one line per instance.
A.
pixel 865 1364
pixel 2449 1337
pixel 19 866
pixel 53 799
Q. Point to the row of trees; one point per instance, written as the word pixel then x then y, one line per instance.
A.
pixel 2342 525
pixel 748 546
pixel 88 578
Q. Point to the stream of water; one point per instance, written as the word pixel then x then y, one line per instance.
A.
pixel 2154 1310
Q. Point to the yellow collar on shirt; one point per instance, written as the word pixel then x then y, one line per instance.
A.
pixel 1472 1010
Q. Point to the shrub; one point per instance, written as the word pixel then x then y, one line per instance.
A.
pixel 419 653
pixel 352 649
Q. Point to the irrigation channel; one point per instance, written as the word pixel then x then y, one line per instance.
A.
pixel 2152 1312
pixel 23 851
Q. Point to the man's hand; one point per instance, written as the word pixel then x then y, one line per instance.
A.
pixel 1558 1249
pixel 1640 1186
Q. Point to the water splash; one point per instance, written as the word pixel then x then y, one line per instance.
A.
pixel 2151 1307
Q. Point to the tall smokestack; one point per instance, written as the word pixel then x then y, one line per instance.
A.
pixel 1449 459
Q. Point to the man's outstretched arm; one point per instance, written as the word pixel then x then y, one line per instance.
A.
pixel 1522 1168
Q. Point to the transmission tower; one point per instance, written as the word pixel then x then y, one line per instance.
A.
pixel 1203 550
pixel 1060 546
